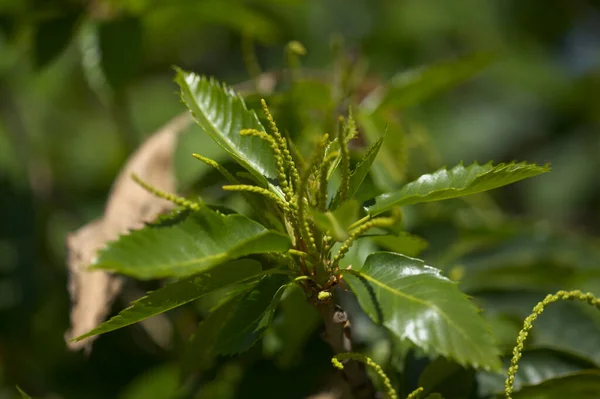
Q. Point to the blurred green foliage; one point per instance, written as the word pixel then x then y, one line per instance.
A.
pixel 82 83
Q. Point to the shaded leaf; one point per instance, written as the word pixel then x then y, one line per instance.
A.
pixel 456 182
pixel 569 327
pixel 189 243
pixel 535 367
pixel 581 385
pixel 434 396
pixel 292 326
pixel 414 86
pixel 223 114
pixel 159 383
pixel 359 173
pixel 416 303
pixel 200 351
pixel 447 378
pixel 23 394
pixel 179 293
pixel 52 36
pixel 252 316
pixel 120 43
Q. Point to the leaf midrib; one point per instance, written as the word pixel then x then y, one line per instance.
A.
pixel 418 300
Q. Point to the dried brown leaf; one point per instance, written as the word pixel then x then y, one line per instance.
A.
pixel 128 207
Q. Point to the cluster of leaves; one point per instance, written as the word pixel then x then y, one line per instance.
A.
pixel 304 226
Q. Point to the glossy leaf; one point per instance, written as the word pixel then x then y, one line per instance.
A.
pixel 359 173
pixel 581 385
pixel 456 182
pixel 414 86
pixel 252 316
pixel 179 293
pixel 223 114
pixel 416 303
pixel 189 243
pixel 535 367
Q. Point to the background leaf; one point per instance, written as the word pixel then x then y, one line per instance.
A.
pixel 52 36
pixel 416 303
pixel 22 393
pixel 447 378
pixel 120 41
pixel 189 243
pixel 295 320
pixel 456 182
pixel 416 85
pixel 222 114
pixel 159 383
pixel 581 385
pixel 535 367
pixel 179 293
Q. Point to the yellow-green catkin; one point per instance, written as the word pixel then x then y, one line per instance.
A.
pixel 528 325
pixel 377 222
pixel 415 394
pixel 194 206
pixel 258 190
pixel 345 164
pixel 302 194
pixel 337 363
pixel 217 166
pixel 289 160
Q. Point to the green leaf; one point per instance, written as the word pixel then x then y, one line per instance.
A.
pixel 456 182
pixel 199 352
pixel 336 223
pixel 414 86
pixel 581 385
pixel 159 383
pixel 179 293
pixel 360 172
pixel 23 394
pixel 222 114
pixel 295 321
pixel 434 396
pixel 189 243
pixel 404 243
pixel 52 36
pixel 535 367
pixel 448 379
pixel 252 316
pixel 416 303
pixel 570 327
pixel 120 44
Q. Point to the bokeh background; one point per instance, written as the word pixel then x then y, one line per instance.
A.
pixel 83 82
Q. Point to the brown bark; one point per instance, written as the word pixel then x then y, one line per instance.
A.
pixel 338 335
